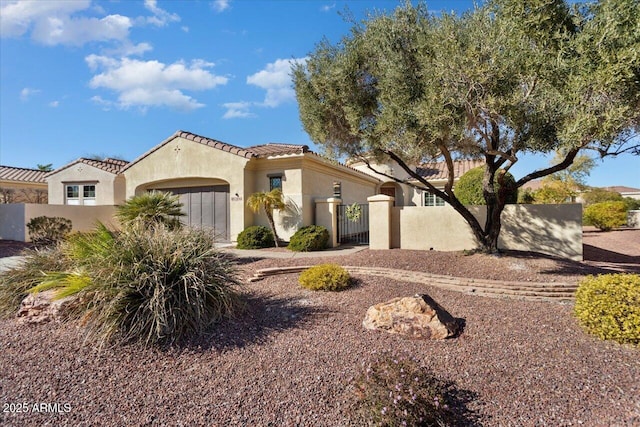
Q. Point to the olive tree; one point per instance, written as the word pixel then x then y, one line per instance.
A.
pixel 506 78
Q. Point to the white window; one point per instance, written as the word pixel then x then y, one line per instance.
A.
pixel 80 194
pixel 432 200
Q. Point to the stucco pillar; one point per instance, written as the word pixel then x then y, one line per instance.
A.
pixel 327 216
pixel 380 221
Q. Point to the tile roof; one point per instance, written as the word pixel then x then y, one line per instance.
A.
pixel 110 165
pixel 622 189
pixel 438 170
pixel 273 149
pixel 12 173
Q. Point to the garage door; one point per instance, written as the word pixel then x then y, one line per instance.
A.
pixel 206 207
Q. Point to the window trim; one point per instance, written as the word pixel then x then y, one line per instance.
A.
pixel 434 202
pixel 80 198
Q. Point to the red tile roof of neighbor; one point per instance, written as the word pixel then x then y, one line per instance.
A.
pixel 12 173
pixel 110 165
pixel 438 170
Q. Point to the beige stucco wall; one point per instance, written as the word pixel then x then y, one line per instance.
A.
pixel 185 163
pixel 14 217
pixel 549 229
pixel 109 190
pixel 633 219
pixel 306 179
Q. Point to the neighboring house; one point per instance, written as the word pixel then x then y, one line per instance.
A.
pixel 406 195
pixel 215 179
pixel 87 182
pixel 634 193
pixel 22 185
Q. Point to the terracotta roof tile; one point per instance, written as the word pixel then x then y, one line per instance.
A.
pixel 110 165
pixel 273 149
pixel 622 189
pixel 12 173
pixel 210 142
pixel 438 170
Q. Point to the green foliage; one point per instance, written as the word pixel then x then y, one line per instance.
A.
pixel 151 208
pixel 146 284
pixel 16 282
pixel 469 188
pixel 325 277
pixel 606 215
pixel 631 203
pixel 599 195
pixel 44 230
pixel 505 79
pixel 268 202
pixel 526 197
pixel 608 306
pixel 396 391
pixel 309 238
pixel 255 237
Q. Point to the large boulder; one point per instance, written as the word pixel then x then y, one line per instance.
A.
pixel 42 307
pixel 415 317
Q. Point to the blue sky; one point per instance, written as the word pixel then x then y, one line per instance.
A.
pixel 114 78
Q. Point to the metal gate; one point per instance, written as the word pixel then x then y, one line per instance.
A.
pixel 353 224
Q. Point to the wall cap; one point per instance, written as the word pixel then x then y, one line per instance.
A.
pixel 380 198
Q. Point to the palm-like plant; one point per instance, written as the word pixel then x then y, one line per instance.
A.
pixel 267 202
pixel 150 208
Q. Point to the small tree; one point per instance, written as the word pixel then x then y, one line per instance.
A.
pixel 152 207
pixel 268 202
pixel 45 168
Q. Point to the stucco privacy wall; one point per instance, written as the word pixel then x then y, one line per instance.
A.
pixel 15 217
pixel 195 164
pixel 549 229
pixel 109 190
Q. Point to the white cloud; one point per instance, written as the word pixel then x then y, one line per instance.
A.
pixel 328 7
pixel 276 80
pixel 145 84
pixel 127 48
pixel 237 110
pixel 106 105
pixel 220 5
pixel 54 104
pixel 160 16
pixel 51 22
pixel 27 93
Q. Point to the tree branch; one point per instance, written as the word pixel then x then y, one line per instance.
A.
pixel 565 163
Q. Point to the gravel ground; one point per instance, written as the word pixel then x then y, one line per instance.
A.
pixel 289 358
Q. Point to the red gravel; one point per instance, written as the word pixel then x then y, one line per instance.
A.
pixel 288 359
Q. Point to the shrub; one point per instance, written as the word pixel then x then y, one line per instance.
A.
pixel 325 277
pixel 148 283
pixel 599 195
pixel 152 208
pixel 44 230
pixel 255 237
pixel 608 306
pixel 631 203
pixel 395 391
pixel 468 189
pixel 606 215
pixel 16 282
pixel 310 238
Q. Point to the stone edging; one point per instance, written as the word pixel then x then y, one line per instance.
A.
pixel 536 291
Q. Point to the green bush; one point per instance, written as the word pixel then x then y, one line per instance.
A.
pixel 599 195
pixel 255 237
pixel 325 277
pixel 397 391
pixel 631 203
pixel 146 284
pixel 151 208
pixel 606 215
pixel 608 306
pixel 469 189
pixel 44 230
pixel 310 238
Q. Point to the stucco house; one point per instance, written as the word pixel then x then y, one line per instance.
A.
pixel 214 180
pixel 406 195
pixel 87 182
pixel 22 185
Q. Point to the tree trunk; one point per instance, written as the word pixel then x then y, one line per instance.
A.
pixel 272 224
